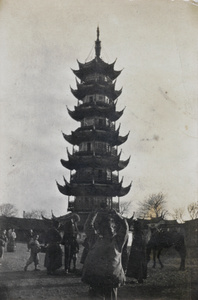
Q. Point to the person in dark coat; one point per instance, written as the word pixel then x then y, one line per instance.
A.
pixel 69 239
pixel 73 254
pixel 137 265
pixel 53 257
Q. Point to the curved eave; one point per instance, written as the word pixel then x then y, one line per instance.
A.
pixel 79 136
pixel 107 112
pixel 65 190
pixel 74 115
pixel 96 66
pixel 123 164
pixel 93 190
pixel 67 164
pixel 116 116
pixel 76 162
pixel 68 138
pixel 124 191
pixel 103 90
pixel 121 140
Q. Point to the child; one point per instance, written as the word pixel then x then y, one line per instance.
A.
pixel 34 250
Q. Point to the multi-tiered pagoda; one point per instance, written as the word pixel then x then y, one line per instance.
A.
pixel 95 162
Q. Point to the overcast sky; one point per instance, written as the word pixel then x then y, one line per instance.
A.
pixel 155 43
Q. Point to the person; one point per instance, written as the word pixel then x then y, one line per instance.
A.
pixel 73 254
pixel 69 236
pixel 102 268
pixel 85 251
pixel 11 245
pixel 137 265
pixel 3 240
pixel 30 236
pixel 53 256
pixel 34 253
pixel 91 236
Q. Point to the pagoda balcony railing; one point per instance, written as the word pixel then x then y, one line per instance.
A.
pixel 98 126
pixel 97 152
pixel 88 178
pixel 97 78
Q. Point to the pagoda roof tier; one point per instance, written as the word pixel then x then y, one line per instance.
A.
pixel 96 88
pixel 110 137
pixel 98 66
pixel 110 162
pixel 106 190
pixel 80 112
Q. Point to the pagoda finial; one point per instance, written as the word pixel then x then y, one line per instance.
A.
pixel 98 33
pixel 97 43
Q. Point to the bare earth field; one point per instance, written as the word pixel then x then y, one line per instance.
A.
pixel 168 283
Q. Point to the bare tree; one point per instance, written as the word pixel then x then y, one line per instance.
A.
pixel 153 207
pixel 8 210
pixel 34 214
pixel 193 210
pixel 178 214
pixel 125 207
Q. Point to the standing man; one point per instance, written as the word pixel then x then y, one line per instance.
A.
pixel 69 239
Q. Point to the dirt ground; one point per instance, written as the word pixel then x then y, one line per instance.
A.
pixel 161 284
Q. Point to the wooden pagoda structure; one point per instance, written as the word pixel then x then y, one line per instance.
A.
pixel 95 162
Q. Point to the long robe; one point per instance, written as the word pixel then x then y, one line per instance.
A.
pixel 137 265
pixel 53 257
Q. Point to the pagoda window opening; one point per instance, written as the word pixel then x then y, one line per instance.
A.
pixel 101 147
pixel 86 202
pixel 106 100
pixel 109 175
pixel 101 122
pixel 100 174
pixel 97 77
pixel 100 98
pixel 114 178
pixel 87 122
pixel 114 151
pixel 91 99
pixel 89 148
pixel 86 147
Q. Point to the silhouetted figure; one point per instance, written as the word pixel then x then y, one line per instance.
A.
pixel 53 257
pixel 3 240
pixel 11 245
pixel 73 254
pixel 69 241
pixel 137 264
pixel 34 250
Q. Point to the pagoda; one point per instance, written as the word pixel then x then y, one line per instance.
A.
pixel 95 162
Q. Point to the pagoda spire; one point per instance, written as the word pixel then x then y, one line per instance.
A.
pixel 98 44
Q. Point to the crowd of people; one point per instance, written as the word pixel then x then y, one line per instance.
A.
pixel 105 260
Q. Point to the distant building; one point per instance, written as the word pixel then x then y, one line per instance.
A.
pixel 95 161
pixel 23 225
